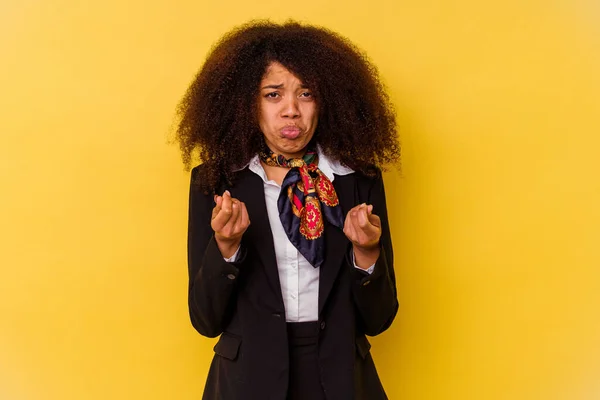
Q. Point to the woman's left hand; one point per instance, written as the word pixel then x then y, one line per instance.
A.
pixel 363 229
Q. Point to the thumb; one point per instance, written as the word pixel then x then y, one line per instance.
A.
pixel 375 220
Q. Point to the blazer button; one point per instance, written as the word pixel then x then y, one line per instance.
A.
pixel 278 315
pixel 323 325
pixel 231 276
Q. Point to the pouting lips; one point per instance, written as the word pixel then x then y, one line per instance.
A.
pixel 290 132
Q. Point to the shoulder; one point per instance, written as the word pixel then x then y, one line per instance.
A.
pixel 197 170
pixel 200 171
pixel 369 177
pixel 196 178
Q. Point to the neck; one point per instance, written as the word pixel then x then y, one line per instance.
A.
pixel 289 156
pixel 275 173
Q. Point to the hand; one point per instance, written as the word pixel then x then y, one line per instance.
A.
pixel 363 229
pixel 229 221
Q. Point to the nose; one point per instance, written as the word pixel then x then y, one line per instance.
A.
pixel 290 108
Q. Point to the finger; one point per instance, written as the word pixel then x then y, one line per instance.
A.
pixel 217 207
pixel 235 214
pixel 375 220
pixel 370 218
pixel 220 221
pixel 244 220
pixel 357 221
pixel 362 217
pixel 222 217
pixel 368 231
pixel 351 225
pixel 351 233
pixel 346 228
pixel 364 233
pixel 226 203
pixel 238 227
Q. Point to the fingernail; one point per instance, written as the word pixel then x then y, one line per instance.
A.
pixel 227 191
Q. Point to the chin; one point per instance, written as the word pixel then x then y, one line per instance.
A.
pixel 290 146
pixel 296 147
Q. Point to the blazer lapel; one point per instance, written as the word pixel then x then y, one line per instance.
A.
pixel 249 189
pixel 336 242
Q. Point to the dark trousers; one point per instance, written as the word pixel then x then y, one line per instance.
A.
pixel 305 383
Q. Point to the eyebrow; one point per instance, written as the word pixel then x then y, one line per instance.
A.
pixel 303 86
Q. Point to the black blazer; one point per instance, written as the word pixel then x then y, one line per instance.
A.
pixel 242 301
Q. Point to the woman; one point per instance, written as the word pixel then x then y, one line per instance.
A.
pixel 289 249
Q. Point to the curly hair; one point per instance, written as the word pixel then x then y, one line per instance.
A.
pixel 218 114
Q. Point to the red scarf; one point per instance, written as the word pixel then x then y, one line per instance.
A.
pixel 306 195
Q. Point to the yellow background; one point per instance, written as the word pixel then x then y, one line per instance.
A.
pixel 495 213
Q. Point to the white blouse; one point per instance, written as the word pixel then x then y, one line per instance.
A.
pixel 298 278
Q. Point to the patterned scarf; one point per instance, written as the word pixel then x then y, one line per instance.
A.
pixel 306 194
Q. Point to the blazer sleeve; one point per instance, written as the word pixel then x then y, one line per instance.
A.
pixel 375 295
pixel 212 280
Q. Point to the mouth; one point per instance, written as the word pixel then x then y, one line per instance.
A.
pixel 290 132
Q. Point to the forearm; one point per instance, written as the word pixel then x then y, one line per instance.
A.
pixel 375 297
pixel 212 292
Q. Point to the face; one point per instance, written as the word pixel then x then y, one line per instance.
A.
pixel 288 113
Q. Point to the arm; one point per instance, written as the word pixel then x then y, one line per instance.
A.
pixel 375 294
pixel 212 280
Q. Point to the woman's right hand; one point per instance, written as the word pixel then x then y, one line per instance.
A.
pixel 229 221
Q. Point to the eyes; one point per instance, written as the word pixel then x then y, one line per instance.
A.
pixel 275 95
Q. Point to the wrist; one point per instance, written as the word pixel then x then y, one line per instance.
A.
pixel 366 256
pixel 227 247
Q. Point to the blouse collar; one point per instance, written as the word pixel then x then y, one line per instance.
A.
pixel 328 166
